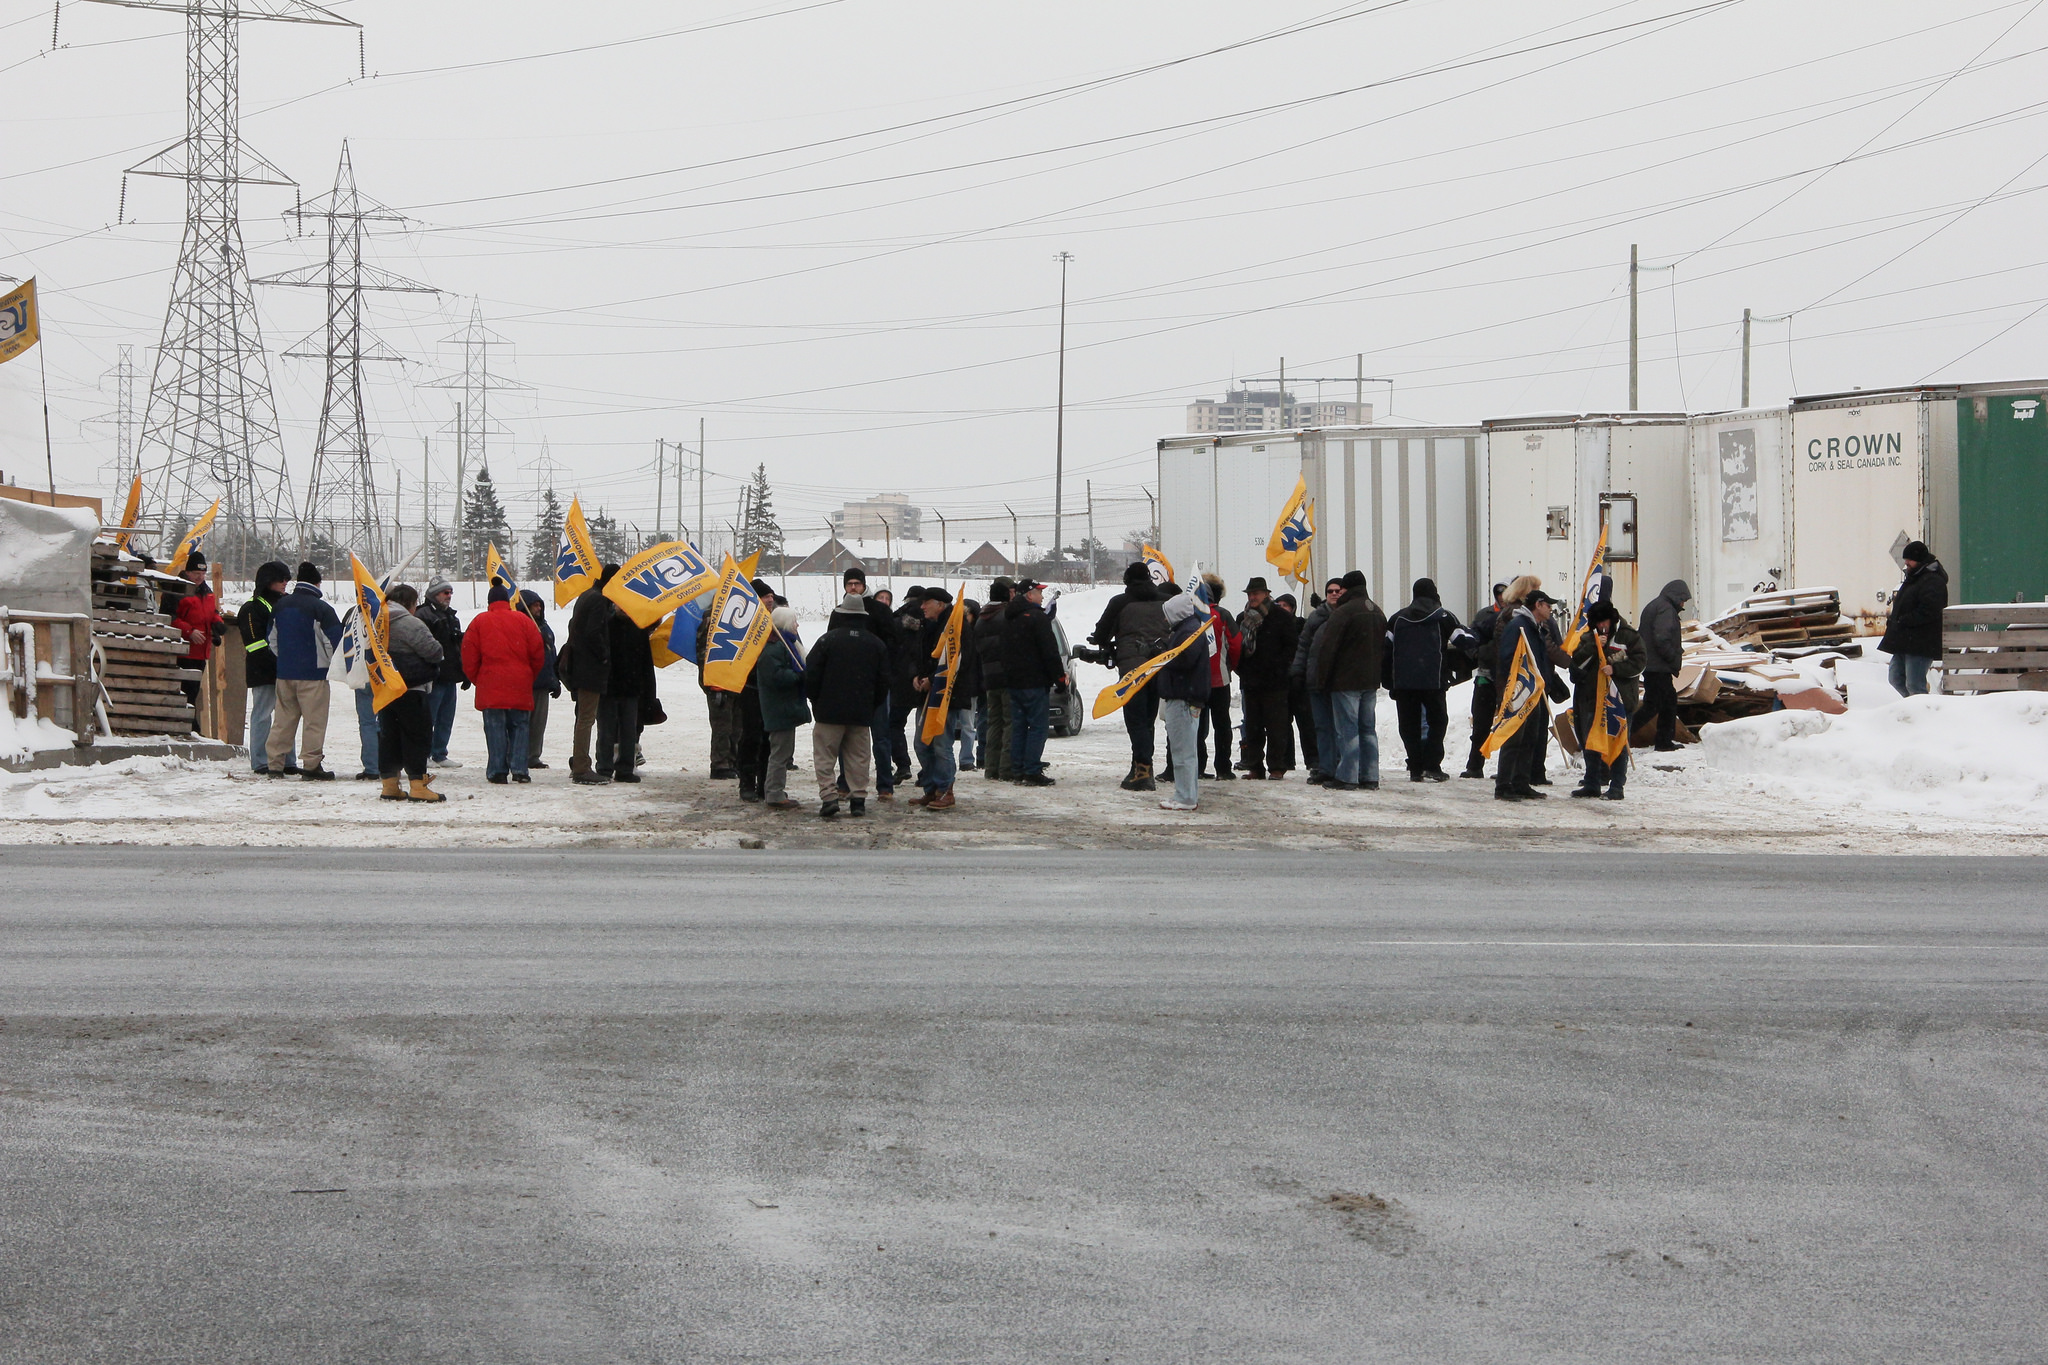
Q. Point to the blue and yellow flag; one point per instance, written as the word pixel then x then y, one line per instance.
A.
pixel 373 630
pixel 1587 591
pixel 1608 735
pixel 1287 549
pixel 938 697
pixel 1160 566
pixel 576 562
pixel 21 323
pixel 739 628
pixel 1113 697
pixel 499 572
pixel 192 539
pixel 659 579
pixel 1520 696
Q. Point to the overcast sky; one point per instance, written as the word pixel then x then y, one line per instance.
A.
pixel 829 230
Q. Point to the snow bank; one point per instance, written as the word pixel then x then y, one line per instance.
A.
pixel 1969 758
pixel 21 738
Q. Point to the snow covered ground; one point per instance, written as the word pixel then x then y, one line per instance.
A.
pixel 1933 775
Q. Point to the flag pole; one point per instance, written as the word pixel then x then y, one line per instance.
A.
pixel 49 460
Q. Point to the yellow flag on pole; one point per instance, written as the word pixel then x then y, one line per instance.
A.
pixel 1587 587
pixel 938 700
pixel 739 628
pixel 1160 566
pixel 661 578
pixel 498 572
pixel 21 324
pixel 1521 694
pixel 1287 549
pixel 1113 697
pixel 576 562
pixel 1608 734
pixel 192 539
pixel 130 513
pixel 386 686
pixel 658 642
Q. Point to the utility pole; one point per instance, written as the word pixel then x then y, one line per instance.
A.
pixel 1013 539
pixel 1280 423
pixel 426 499
pixel 700 478
pixel 1745 358
pixel 1152 503
pixel 461 450
pixel 1059 455
pixel 1634 269
pixel 661 467
pixel 945 575
pixel 1091 533
pixel 888 553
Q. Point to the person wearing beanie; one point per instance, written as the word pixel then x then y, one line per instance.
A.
pixel 197 617
pixel 1348 663
pixel 1664 641
pixel 882 624
pixel 995 692
pixel 1609 648
pixel 259 663
pixel 780 676
pixel 546 685
pixel 404 734
pixel 1225 650
pixel 437 611
pixel 584 667
pixel 502 653
pixel 1132 628
pixel 1268 635
pixel 1419 678
pixel 1476 643
pixel 304 632
pixel 1912 629
pixel 846 678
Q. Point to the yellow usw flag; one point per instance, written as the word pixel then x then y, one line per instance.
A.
pixel 1518 700
pixel 385 684
pixel 496 571
pixel 739 628
pixel 661 578
pixel 1287 549
pixel 21 323
pixel 938 702
pixel 1586 587
pixel 576 562
pixel 130 513
pixel 1608 734
pixel 1113 697
pixel 192 539
pixel 1158 565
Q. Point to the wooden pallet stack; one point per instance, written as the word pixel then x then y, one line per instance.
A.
pixel 1791 619
pixel 2000 647
pixel 141 649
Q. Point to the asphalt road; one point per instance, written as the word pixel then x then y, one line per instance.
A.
pixel 609 1106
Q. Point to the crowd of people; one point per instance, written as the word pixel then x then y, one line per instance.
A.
pixel 1308 684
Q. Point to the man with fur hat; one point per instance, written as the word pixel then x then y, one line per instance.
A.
pixel 1268 635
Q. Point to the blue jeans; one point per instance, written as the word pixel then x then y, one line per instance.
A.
pixel 441 713
pixel 936 759
pixel 1909 674
pixel 367 728
pixel 1181 726
pixel 1030 713
pixel 262 705
pixel 1325 718
pixel 885 768
pixel 1358 735
pixel 505 741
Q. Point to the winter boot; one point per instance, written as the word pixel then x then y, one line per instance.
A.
pixel 856 805
pixel 828 809
pixel 423 789
pixel 1585 789
pixel 393 790
pixel 1131 779
pixel 940 800
pixel 1145 782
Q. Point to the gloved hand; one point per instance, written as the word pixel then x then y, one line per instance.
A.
pixel 465 684
pixel 556 692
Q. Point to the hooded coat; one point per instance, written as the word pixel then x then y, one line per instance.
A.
pixel 1347 653
pixel 1419 637
pixel 304 632
pixel 1031 653
pixel 1628 669
pixel 1914 626
pixel 502 654
pixel 780 680
pixel 988 643
pixel 415 653
pixel 1187 677
pixel 1662 635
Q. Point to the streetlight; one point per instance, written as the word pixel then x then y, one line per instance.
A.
pixel 1059 447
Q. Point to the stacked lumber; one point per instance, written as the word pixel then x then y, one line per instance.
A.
pixel 140 674
pixel 1998 647
pixel 1792 618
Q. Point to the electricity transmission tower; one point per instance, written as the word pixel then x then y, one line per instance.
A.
pixel 341 488
pixel 211 419
pixel 474 425
pixel 122 419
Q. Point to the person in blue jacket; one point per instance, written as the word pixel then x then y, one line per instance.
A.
pixel 304 632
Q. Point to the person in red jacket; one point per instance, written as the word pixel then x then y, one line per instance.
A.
pixel 501 656
pixel 196 617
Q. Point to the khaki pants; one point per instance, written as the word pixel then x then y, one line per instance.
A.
pixel 298 700
pixel 586 721
pixel 855 744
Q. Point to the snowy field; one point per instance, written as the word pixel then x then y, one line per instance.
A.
pixel 1930 775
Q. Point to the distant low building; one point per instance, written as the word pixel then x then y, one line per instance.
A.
pixel 1264 410
pixel 886 516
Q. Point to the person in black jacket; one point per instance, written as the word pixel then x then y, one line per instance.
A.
pixel 1521 757
pixel 752 749
pixel 1664 641
pixel 1477 642
pixel 1347 668
pixel 260 662
pixel 1270 635
pixel 1031 665
pixel 846 678
pixel 437 612
pixel 628 682
pixel 1133 629
pixel 882 624
pixel 995 691
pixel 1419 639
pixel 585 667
pixel 1912 632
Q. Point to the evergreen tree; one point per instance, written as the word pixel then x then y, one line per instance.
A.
pixel 759 531
pixel 547 534
pixel 483 522
pixel 609 539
